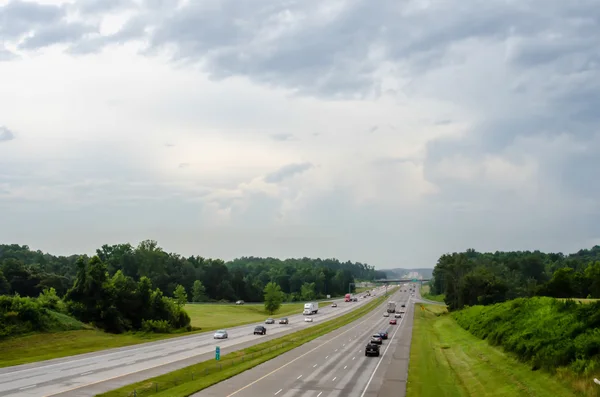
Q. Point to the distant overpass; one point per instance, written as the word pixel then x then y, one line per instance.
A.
pixel 401 280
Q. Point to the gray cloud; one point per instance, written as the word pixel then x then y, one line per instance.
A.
pixel 287 171
pixel 6 134
pixel 282 137
pixel 103 6
pixel 523 78
pixel 19 17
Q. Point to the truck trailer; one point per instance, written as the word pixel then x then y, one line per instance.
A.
pixel 311 308
pixel 391 307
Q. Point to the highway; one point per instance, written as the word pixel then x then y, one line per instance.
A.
pixel 93 373
pixel 334 364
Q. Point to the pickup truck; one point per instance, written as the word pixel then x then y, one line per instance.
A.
pixel 372 350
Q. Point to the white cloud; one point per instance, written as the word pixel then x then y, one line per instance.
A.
pixel 378 131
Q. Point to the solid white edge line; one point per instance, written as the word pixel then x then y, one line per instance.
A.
pixel 385 351
pixel 278 391
pixel 141 370
pixel 303 355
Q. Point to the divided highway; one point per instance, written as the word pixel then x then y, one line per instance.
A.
pixel 334 364
pixel 93 373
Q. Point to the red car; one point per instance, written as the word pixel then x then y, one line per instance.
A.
pixel 393 321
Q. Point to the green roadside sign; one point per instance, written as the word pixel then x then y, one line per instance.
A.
pixel 218 353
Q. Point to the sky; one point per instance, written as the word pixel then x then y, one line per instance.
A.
pixel 380 131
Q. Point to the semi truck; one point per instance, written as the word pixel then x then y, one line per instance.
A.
pixel 348 298
pixel 311 308
pixel 391 307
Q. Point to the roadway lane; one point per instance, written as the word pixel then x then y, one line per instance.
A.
pixel 92 373
pixel 329 366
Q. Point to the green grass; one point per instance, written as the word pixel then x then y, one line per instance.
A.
pixel 189 380
pixel 447 361
pixel 425 289
pixel 211 317
pixel 83 339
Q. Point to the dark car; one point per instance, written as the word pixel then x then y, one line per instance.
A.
pixel 372 350
pixel 376 339
pixel 393 321
pixel 383 334
pixel 403 305
pixel 284 321
pixel 260 330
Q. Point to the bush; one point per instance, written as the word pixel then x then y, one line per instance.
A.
pixel 158 326
pixel 546 332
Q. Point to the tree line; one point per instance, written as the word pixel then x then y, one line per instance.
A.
pixel 29 272
pixel 473 278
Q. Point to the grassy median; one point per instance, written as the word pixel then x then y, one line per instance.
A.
pixel 192 379
pixel 447 361
pixel 205 317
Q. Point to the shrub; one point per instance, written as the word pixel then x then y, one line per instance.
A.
pixel 546 332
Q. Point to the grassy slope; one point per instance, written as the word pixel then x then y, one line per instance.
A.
pixel 46 346
pixel 447 361
pixel 425 294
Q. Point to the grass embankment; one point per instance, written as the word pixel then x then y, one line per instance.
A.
pixel 425 289
pixel 560 336
pixel 84 339
pixel 192 379
pixel 446 360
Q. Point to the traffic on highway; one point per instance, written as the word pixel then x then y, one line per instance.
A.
pixel 93 373
pixel 351 361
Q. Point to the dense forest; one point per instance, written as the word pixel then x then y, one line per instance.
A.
pixel 28 273
pixel 473 278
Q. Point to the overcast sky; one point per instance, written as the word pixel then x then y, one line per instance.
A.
pixel 382 131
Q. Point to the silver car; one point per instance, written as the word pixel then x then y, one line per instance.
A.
pixel 221 334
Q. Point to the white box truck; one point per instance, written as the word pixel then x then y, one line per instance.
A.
pixel 391 307
pixel 311 308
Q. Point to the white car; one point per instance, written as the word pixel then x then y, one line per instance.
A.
pixel 398 315
pixel 334 305
pixel 308 319
pixel 386 314
pixel 221 334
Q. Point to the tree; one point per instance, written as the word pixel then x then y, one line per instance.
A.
pixel 273 297
pixel 198 292
pixel 180 295
pixel 308 291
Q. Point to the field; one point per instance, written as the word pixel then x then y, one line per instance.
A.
pixel 447 361
pixel 211 317
pixel 46 346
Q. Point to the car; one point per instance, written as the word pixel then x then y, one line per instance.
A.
pixel 308 319
pixel 221 334
pixel 383 334
pixel 269 321
pixel 372 350
pixel 393 321
pixel 397 315
pixel 403 305
pixel 376 338
pixel 284 320
pixel 260 330
pixel 334 305
pixel 386 314
pixel 239 302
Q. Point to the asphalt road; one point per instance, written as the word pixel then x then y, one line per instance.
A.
pixel 93 373
pixel 334 364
